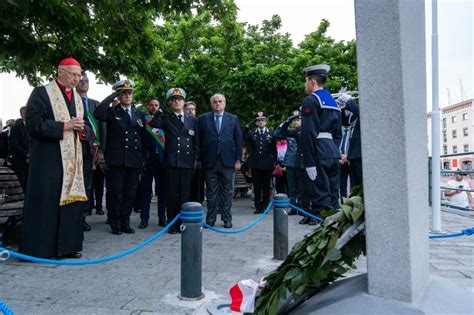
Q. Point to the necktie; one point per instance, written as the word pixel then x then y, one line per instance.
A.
pixel 218 123
pixel 180 117
pixel 85 101
pixel 127 110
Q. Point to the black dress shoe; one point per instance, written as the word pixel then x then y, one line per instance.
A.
pixel 128 230
pixel 172 230
pixel 312 221
pixel 99 212
pixel 75 255
pixel 162 222
pixel 227 225
pixel 305 220
pixel 143 225
pixel 116 232
pixel 85 227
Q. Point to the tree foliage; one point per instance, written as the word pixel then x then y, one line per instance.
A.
pixel 108 36
pixel 196 44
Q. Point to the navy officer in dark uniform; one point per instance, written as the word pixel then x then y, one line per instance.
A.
pixel 181 152
pixel 262 160
pixel 320 139
pixel 124 154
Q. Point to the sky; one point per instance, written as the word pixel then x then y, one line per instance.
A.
pixel 301 17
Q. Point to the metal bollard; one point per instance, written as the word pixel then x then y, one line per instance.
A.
pixel 192 214
pixel 280 227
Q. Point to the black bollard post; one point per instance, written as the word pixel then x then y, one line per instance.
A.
pixel 280 227
pixel 192 214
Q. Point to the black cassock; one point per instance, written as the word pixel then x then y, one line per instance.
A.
pixel 49 230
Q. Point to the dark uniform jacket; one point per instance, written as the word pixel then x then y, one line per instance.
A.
pixel 126 144
pixel 263 151
pixel 182 139
pixel 93 104
pixel 293 155
pixel 320 114
pixel 351 117
pixel 19 144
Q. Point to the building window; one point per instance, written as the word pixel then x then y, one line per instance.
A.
pixel 465 132
pixel 455 149
pixel 445 136
pixel 465 116
pixel 444 123
pixel 466 148
pixel 445 149
pixel 455 134
pixel 453 119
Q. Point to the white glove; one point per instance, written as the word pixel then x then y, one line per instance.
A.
pixel 343 99
pixel 312 172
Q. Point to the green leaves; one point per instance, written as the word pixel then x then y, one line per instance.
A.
pixel 315 262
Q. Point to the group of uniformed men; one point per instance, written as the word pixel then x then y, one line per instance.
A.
pixel 74 137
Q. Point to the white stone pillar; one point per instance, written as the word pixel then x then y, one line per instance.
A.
pixel 392 86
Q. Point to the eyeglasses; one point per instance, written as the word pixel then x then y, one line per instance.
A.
pixel 75 75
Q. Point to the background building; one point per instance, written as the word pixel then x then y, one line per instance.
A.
pixel 457 135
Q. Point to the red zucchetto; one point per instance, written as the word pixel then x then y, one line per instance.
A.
pixel 69 62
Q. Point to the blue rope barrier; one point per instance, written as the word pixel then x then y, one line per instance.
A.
pixel 306 213
pixel 5 309
pixel 90 261
pixel 259 218
pixel 469 231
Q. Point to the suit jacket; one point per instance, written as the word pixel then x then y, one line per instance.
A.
pixel 126 143
pixel 19 144
pixel 92 105
pixel 227 143
pixel 182 139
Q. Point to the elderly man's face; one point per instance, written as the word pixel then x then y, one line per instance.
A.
pixel 69 75
pixel 218 104
pixel 153 106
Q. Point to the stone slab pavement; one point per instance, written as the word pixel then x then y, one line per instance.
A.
pixel 148 281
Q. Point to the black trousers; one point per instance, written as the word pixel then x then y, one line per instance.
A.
pixel 98 179
pixel 344 176
pixel 178 183
pixel 356 171
pixel 324 191
pixel 158 174
pixel 261 187
pixel 87 161
pixel 219 191
pixel 197 186
pixel 21 171
pixel 122 185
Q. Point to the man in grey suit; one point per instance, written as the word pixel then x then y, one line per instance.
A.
pixel 92 147
pixel 221 153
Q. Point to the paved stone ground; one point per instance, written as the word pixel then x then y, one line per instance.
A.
pixel 148 281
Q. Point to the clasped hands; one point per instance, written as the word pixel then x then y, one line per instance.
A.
pixel 75 123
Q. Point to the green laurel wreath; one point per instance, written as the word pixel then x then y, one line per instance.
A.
pixel 315 262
